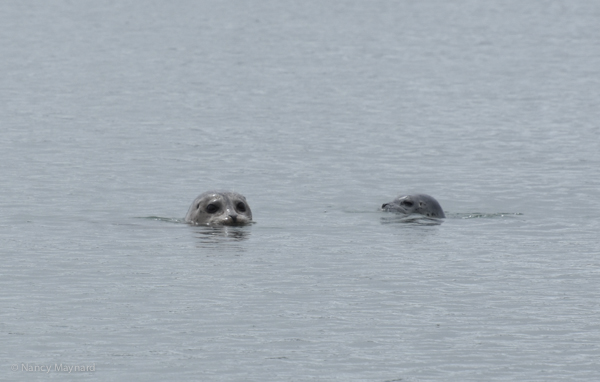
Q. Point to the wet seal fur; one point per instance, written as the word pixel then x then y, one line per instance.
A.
pixel 219 208
pixel 421 204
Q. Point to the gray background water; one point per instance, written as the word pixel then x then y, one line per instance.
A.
pixel 116 112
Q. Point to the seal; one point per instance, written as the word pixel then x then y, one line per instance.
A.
pixel 219 208
pixel 415 204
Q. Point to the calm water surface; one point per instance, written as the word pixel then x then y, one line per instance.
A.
pixel 116 115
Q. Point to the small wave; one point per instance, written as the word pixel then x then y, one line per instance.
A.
pixel 158 218
pixel 480 215
pixel 216 234
pixel 414 219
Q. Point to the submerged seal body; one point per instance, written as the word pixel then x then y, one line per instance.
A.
pixel 415 204
pixel 219 208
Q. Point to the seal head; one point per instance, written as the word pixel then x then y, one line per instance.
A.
pixel 415 204
pixel 219 208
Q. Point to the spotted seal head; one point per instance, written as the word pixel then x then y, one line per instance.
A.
pixel 415 204
pixel 219 208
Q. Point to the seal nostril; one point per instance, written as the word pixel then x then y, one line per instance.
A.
pixel 383 205
pixel 233 217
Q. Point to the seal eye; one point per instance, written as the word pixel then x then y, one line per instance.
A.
pixel 212 208
pixel 241 207
pixel 407 203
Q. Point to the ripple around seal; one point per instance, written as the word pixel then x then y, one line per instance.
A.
pixel 415 219
pixel 168 220
pixel 482 215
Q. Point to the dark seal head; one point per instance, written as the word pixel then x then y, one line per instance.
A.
pixel 415 204
pixel 219 208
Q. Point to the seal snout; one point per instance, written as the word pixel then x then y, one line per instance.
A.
pixel 233 217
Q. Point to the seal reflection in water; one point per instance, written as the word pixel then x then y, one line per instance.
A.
pixel 415 204
pixel 219 208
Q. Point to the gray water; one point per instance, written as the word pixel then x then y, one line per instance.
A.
pixel 116 115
